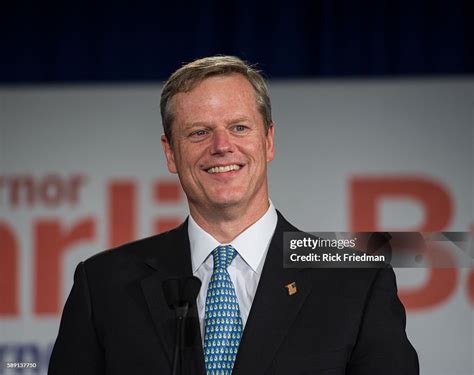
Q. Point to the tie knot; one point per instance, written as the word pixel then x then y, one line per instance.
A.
pixel 223 256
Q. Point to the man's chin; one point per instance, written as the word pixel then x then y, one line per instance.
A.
pixel 227 201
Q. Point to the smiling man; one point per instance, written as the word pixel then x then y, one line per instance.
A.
pixel 252 316
pixel 219 144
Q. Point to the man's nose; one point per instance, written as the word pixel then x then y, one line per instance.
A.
pixel 221 142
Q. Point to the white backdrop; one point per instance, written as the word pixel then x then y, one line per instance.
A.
pixel 82 169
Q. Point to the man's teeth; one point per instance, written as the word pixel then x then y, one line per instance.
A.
pixel 227 168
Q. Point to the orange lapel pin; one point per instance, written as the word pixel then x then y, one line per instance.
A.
pixel 291 288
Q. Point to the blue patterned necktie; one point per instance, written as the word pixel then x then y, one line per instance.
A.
pixel 223 324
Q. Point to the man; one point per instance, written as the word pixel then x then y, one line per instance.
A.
pixel 251 314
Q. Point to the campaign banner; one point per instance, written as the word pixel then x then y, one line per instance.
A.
pixel 82 171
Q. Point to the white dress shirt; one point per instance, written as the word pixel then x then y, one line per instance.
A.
pixel 245 270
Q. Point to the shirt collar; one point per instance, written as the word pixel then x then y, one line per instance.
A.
pixel 252 244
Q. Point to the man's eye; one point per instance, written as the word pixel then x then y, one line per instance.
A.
pixel 240 128
pixel 198 133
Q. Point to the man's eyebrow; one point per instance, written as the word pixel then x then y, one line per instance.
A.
pixel 239 119
pixel 236 120
pixel 191 125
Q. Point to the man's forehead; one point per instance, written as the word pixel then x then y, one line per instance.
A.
pixel 216 92
pixel 221 83
pixel 191 84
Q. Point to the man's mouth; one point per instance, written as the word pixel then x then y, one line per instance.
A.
pixel 224 168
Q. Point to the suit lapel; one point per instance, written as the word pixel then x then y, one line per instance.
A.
pixel 272 313
pixel 173 260
pixel 273 309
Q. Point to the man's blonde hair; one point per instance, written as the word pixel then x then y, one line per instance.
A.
pixel 189 75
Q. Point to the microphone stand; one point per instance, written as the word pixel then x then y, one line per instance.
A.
pixel 181 313
pixel 180 294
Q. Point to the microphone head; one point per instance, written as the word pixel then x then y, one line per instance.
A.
pixel 190 291
pixel 172 291
pixel 179 292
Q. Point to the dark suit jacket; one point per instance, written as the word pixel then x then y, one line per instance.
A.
pixel 340 321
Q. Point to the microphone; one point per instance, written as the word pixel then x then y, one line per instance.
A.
pixel 180 295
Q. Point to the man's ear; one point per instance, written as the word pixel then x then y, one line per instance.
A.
pixel 169 153
pixel 269 142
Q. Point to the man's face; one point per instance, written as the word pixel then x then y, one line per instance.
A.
pixel 220 150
